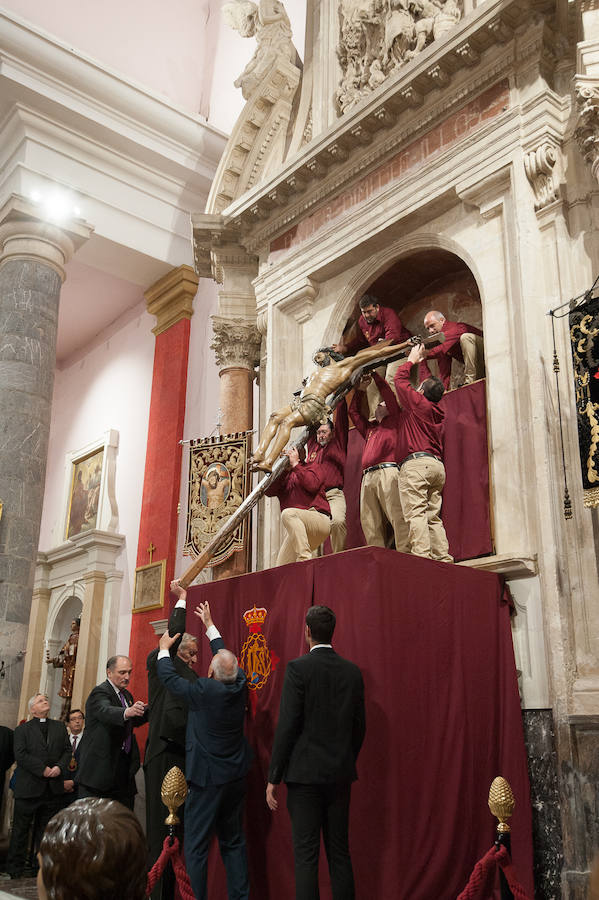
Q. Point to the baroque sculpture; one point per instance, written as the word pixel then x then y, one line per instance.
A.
pixel 268 22
pixel 66 660
pixel 377 37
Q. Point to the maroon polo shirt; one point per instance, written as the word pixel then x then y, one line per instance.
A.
pixel 447 351
pixel 330 460
pixel 387 327
pixel 380 439
pixel 421 422
pixel 300 488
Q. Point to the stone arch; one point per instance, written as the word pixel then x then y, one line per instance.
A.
pixel 394 256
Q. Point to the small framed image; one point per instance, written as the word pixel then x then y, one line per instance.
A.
pixel 148 591
pixel 84 496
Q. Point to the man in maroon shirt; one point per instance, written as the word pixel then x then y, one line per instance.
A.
pixel 420 452
pixel 379 495
pixel 376 323
pixel 305 513
pixel 463 343
pixel 327 449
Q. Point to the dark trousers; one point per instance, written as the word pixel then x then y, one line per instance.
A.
pixel 216 809
pixel 123 788
pixel 156 812
pixel 314 808
pixel 28 812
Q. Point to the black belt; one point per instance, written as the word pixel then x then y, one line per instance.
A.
pixel 418 454
pixel 384 465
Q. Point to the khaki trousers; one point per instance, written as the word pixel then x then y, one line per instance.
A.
pixel 336 499
pixel 421 481
pixel 306 529
pixel 472 348
pixel 380 503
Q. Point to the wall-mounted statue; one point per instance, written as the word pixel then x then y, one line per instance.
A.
pixel 376 37
pixel 269 23
pixel 66 660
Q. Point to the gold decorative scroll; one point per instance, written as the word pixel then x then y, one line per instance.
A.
pixel 219 482
pixel 584 338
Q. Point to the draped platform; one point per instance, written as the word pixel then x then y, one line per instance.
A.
pixel 442 711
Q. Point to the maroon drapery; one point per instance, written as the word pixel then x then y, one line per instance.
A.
pixel 443 717
pixel 465 510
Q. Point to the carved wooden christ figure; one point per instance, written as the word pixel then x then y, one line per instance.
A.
pixel 310 407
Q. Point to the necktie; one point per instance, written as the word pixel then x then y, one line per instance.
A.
pixel 74 742
pixel 127 739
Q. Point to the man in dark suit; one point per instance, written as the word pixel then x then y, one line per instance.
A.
pixel 319 734
pixel 75 722
pixel 166 738
pixel 109 751
pixel 217 761
pixel 42 752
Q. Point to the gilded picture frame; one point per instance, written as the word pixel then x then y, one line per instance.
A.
pixel 148 589
pixel 85 492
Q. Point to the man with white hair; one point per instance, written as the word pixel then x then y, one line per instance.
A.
pixel 463 342
pixel 217 760
pixel 42 780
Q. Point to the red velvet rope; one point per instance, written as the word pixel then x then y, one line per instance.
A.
pixel 475 889
pixel 170 851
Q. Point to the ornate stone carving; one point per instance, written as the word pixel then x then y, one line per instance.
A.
pixel 539 167
pixel 376 38
pixel 587 130
pixel 269 24
pixel 236 343
pixel 269 83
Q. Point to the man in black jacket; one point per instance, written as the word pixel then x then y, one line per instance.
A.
pixel 319 735
pixel 218 758
pixel 166 738
pixel 109 751
pixel 42 752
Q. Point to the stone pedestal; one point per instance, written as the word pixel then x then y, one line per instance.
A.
pixel 32 259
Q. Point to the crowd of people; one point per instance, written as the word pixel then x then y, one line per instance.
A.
pixel 74 788
pixel 403 430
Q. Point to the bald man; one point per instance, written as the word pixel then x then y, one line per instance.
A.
pixel 109 755
pixel 463 342
pixel 217 760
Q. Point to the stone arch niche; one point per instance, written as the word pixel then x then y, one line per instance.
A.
pixel 419 281
pixel 66 607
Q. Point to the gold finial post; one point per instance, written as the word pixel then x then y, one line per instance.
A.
pixel 173 794
pixel 502 804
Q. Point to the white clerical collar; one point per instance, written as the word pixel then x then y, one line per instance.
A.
pixel 318 646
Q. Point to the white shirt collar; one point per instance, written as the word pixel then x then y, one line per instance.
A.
pixel 318 646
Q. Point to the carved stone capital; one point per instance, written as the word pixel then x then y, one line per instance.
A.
pixel 300 302
pixel 236 343
pixel 587 131
pixel 539 166
pixel 171 298
pixel 24 235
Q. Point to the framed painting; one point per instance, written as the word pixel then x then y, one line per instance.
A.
pixel 84 494
pixel 148 591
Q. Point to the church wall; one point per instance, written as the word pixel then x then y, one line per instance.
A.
pixel 106 386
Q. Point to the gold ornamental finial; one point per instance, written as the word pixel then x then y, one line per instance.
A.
pixel 501 803
pixel 173 793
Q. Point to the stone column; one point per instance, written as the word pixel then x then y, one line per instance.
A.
pixel 33 254
pixel 237 348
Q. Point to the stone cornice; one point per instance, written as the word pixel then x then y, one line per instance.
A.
pixel 171 298
pixel 491 42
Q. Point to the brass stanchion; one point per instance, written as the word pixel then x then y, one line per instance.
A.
pixel 502 804
pixel 173 793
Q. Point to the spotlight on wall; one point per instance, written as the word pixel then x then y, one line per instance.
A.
pixel 56 205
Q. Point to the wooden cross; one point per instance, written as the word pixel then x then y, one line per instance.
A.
pixel 151 549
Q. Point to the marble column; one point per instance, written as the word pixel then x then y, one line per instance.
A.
pixel 33 254
pixel 237 348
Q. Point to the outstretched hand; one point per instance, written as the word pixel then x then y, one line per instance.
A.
pixel 203 612
pixel 178 590
pixel 166 641
pixel 417 354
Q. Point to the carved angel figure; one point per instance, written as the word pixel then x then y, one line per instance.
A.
pixel 269 23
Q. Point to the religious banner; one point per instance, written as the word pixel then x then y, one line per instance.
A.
pixel 219 481
pixel 584 338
